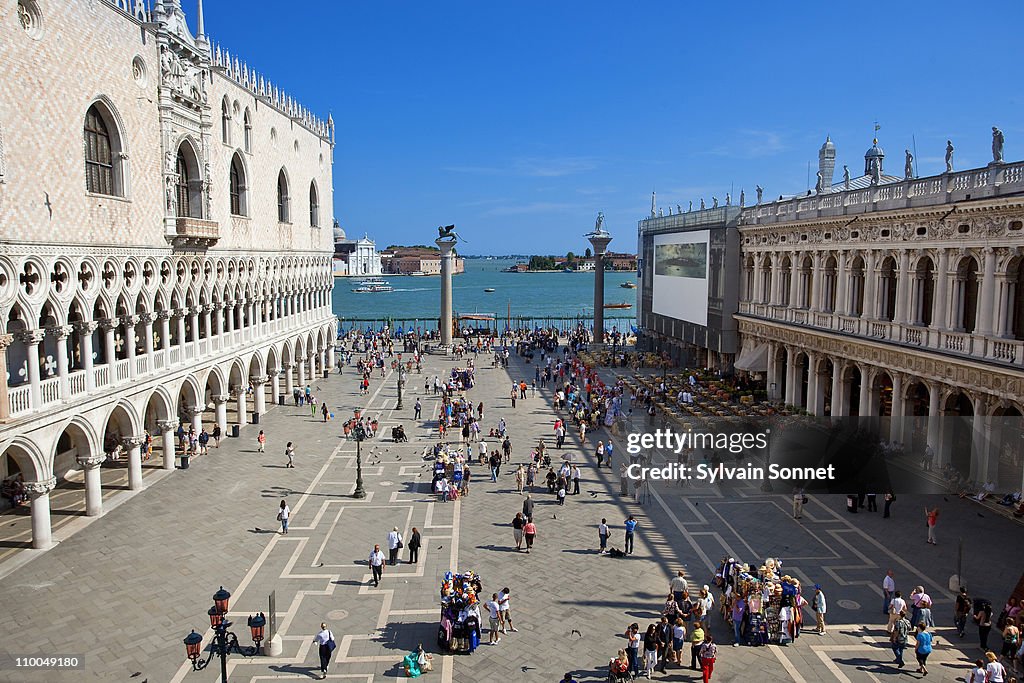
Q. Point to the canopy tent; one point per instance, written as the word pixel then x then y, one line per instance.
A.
pixel 753 358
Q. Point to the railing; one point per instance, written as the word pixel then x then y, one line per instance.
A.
pixel 141 364
pixel 76 381
pixel 158 360
pixel 197 230
pixel 123 369
pixel 960 343
pixel 49 390
pixel 20 399
pixel 1008 352
pixel 800 317
pixel 848 325
pixel 880 330
pixel 101 374
pixel 175 355
pixel 823 320
pixel 913 336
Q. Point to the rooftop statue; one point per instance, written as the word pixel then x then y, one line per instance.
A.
pixel 446 233
pixel 714 202
pixel 846 178
pixel 599 224
pixel 760 191
pixel 819 183
pixel 908 165
pixel 949 156
pixel 997 145
pixel 742 198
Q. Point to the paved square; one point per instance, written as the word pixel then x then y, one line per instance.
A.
pixel 125 590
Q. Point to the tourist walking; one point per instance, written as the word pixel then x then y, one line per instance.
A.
pixel 216 436
pixel 417 410
pixel 898 637
pixel 325 644
pixel 376 562
pixel 932 518
pixel 283 514
pixel 897 606
pixel 513 395
pixel 798 503
pixel 889 498
pixel 602 536
pixel 708 655
pixel 995 671
pixel 518 524
pixel 600 452
pixel 575 476
pixel 923 648
pixel 394 545
pixel 414 545
pixel 820 607
pixel 289 452
pixel 494 619
pixel 630 524
pixel 664 631
pixel 1011 636
pixel 650 650
pixel 678 586
pixel 961 610
pixel 983 618
pixel 528 508
pixel 608 450
pixel 261 441
pixel 529 533
pixel 888 590
pixel 696 641
pixel 505 610
pixel 633 639
pixel 520 478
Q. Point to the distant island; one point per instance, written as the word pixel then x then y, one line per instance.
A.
pixel 574 263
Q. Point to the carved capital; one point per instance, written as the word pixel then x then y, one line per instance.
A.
pixel 109 324
pixel 30 336
pixel 61 332
pixel 5 341
pixel 199 410
pixel 91 462
pixel 130 442
pixel 85 327
pixel 217 399
pixel 129 320
pixel 287 366
pixel 163 315
pixel 146 318
pixel 167 425
pixel 258 381
pixel 40 488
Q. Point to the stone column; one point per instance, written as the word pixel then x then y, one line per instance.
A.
pixel 61 333
pixel 790 374
pixel 903 288
pixel 330 355
pixel 196 413
pixel 446 246
pixel 815 388
pixel 870 287
pixel 301 372
pixel 39 493
pixel 147 339
pixel 165 335
pixel 599 240
pixel 842 281
pixel 217 331
pixel 795 275
pixel 241 405
pixel 987 295
pixel 275 386
pixel 940 304
pixel 898 409
pixel 90 465
pixel 774 280
pixel 167 428
pixel 133 446
pixel 32 339
pixel 289 382
pixel 758 296
pixel 816 284
pixel 85 330
pixel 770 373
pixel 207 326
pixel 110 347
pixel 838 390
pixel 128 322
pixel 5 401
pixel 220 407
pixel 934 438
pixel 981 441
pixel 259 395
pixel 864 406
pixel 180 315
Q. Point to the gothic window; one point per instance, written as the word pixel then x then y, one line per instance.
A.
pixel 314 206
pixel 101 158
pixel 238 190
pixel 184 200
pixel 247 120
pixel 225 122
pixel 283 201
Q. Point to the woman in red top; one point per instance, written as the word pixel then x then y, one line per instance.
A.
pixel 933 518
pixel 529 532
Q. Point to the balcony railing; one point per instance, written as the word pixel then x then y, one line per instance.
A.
pixel 196 231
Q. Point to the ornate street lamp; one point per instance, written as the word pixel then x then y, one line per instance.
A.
pixel 359 433
pixel 224 641
pixel 401 381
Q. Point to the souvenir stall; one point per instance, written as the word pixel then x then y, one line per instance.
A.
pixel 459 631
pixel 773 600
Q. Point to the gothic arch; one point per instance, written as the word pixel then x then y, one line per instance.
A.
pixel 117 131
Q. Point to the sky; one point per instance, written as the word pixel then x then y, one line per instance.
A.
pixel 519 121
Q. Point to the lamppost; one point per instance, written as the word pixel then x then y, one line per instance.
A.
pixel 401 381
pixel 359 432
pixel 224 641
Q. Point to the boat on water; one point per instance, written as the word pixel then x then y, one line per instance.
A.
pixel 628 285
pixel 489 289
pixel 418 273
pixel 622 305
pixel 568 270
pixel 373 285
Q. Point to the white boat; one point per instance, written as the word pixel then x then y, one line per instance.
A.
pixel 373 285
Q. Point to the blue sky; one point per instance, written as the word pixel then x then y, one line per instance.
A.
pixel 520 121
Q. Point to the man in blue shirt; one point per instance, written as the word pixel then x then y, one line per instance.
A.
pixel 608 452
pixel 630 528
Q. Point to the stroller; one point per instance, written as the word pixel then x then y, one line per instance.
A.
pixel 398 434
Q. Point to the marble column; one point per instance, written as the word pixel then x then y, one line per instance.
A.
pixel 39 495
pixel 241 405
pixel 90 465
pixel 790 376
pixel 128 324
pixel 275 385
pixel 864 406
pixel 165 335
pixel 838 390
pixel 815 388
pixel 815 284
pixel 5 401
pixel 330 355
pixel 85 330
pixel 207 322
pixel 31 339
pixel 220 407
pixel 180 315
pixel 987 294
pixel 133 446
pixel 903 288
pixel 794 280
pixel 289 383
pixel 842 282
pixel 302 374
pixel 167 428
pixel 61 333
pixel 109 327
pixel 599 240
pixel 259 395
pixel 446 246
pixel 770 374
pixel 940 304
pixel 217 333
pixel 147 339
pixel 898 409
pixel 870 287
pixel 758 296
pixel 934 438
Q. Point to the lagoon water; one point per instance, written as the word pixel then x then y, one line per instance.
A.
pixel 529 295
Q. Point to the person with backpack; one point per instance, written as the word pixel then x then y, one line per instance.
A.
pixel 261 441
pixel 708 655
pixel 983 618
pixel 898 637
pixel 960 611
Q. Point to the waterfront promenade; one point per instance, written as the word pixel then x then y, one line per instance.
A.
pixel 125 590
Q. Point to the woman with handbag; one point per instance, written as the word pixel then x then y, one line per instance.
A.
pixel 325 641
pixel 283 513
pixel 394 545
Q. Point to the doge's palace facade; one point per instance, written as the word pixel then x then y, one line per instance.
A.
pixel 165 242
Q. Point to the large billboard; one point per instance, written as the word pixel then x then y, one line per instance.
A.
pixel 681 276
